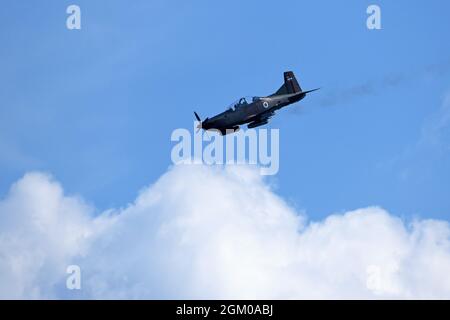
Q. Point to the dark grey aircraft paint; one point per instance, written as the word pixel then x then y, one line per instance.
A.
pixel 255 111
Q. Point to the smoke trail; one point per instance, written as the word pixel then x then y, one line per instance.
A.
pixel 390 81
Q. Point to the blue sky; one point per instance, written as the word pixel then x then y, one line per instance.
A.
pixel 96 107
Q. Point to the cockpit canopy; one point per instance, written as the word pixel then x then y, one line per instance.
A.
pixel 242 102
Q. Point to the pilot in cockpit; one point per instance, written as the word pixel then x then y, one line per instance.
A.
pixel 243 101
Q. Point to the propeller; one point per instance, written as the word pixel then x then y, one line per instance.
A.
pixel 199 126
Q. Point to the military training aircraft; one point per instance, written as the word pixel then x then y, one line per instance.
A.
pixel 255 111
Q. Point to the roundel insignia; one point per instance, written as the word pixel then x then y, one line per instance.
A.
pixel 265 104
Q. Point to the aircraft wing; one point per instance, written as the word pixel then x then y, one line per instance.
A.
pixel 264 116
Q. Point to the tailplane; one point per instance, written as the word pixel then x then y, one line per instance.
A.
pixel 290 85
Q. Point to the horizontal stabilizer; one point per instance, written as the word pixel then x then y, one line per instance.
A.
pixel 305 92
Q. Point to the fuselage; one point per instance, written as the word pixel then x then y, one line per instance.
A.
pixel 257 111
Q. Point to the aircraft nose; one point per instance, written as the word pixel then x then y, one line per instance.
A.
pixel 204 124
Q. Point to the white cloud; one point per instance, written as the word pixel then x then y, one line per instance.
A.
pixel 205 232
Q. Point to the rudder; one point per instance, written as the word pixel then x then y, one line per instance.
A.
pixel 290 84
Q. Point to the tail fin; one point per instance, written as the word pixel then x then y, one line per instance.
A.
pixel 290 84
